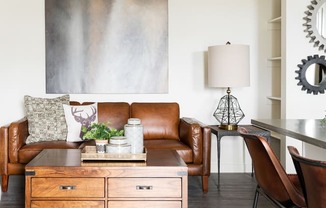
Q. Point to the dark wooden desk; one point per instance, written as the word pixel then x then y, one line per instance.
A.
pixel 219 133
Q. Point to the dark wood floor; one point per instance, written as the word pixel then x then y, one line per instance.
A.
pixel 237 190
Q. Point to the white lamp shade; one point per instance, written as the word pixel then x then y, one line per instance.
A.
pixel 228 66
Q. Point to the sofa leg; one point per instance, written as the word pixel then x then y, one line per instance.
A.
pixel 204 180
pixel 4 183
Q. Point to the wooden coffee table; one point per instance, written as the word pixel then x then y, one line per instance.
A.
pixel 58 178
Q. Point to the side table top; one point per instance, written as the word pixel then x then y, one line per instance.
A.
pixel 250 128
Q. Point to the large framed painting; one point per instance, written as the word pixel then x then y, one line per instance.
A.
pixel 106 46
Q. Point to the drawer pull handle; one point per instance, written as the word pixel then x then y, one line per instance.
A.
pixel 67 187
pixel 144 187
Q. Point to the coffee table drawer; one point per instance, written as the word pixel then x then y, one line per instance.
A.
pixel 144 204
pixel 67 204
pixel 67 187
pixel 144 187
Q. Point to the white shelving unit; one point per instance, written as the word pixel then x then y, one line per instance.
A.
pixel 274 71
pixel 274 60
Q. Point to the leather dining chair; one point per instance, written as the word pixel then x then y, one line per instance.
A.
pixel 312 175
pixel 273 182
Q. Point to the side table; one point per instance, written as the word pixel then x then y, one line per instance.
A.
pixel 219 133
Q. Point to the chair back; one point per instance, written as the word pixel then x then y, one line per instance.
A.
pixel 312 175
pixel 270 174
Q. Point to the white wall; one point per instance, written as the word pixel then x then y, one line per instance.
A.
pixel 299 104
pixel 193 26
pixel 298 48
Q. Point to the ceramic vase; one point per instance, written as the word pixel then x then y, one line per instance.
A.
pixel 134 133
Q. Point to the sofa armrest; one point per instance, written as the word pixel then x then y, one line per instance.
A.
pixel 198 136
pixel 18 133
pixel 4 149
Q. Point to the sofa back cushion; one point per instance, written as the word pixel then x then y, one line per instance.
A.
pixel 116 113
pixel 160 120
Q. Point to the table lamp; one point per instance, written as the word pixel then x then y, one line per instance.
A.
pixel 228 66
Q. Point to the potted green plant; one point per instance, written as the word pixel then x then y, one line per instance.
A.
pixel 101 133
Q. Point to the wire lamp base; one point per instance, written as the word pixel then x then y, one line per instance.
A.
pixel 228 112
pixel 228 127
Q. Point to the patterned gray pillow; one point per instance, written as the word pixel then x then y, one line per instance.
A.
pixel 46 118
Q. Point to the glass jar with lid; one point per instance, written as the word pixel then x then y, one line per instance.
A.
pixel 135 136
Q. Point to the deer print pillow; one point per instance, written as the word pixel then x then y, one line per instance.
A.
pixel 46 119
pixel 78 116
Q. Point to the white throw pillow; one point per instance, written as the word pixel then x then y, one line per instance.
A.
pixel 78 116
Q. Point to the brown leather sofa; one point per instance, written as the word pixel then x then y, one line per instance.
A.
pixel 163 129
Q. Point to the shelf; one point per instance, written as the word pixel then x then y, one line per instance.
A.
pixel 274 98
pixel 274 59
pixel 276 135
pixel 279 58
pixel 275 20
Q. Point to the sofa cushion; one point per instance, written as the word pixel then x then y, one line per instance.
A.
pixel 160 120
pixel 29 151
pixel 116 113
pixel 78 116
pixel 46 118
pixel 183 150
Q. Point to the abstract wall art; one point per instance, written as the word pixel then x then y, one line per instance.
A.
pixel 106 46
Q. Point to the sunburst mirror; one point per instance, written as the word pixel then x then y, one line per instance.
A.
pixel 315 23
pixel 312 74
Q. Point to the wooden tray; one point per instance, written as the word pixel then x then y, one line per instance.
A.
pixel 88 153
